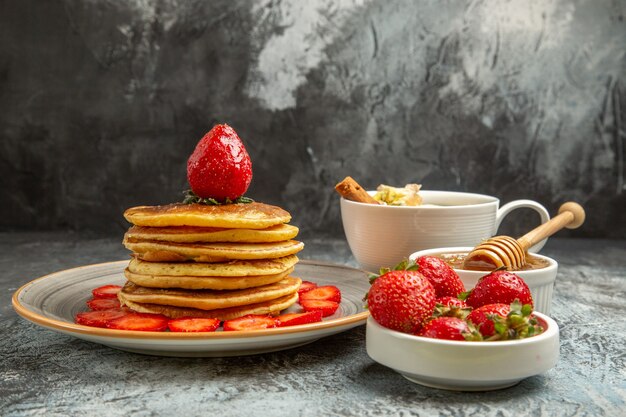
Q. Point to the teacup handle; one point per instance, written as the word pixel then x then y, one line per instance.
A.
pixel 509 207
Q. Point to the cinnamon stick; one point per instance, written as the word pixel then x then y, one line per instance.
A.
pixel 351 190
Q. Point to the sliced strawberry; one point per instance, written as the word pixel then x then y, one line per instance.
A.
pixel 99 318
pixel 326 307
pixel 193 324
pixel 250 322
pixel 306 286
pixel 144 322
pixel 293 319
pixel 98 304
pixel 106 291
pixel 326 293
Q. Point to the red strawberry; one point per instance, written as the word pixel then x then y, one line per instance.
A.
pixel 503 322
pixel 99 318
pixel 292 319
pixel 401 299
pixel 306 286
pixel 103 304
pixel 327 308
pixel 220 166
pixel 443 278
pixel 144 322
pixel 326 293
pixel 106 291
pixel 483 317
pixel 451 307
pixel 449 328
pixel 193 324
pixel 451 302
pixel 250 322
pixel 499 287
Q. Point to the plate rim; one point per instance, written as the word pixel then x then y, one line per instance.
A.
pixel 69 327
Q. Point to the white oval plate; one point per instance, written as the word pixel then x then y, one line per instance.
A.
pixel 52 302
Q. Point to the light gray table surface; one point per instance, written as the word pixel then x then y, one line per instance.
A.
pixel 50 374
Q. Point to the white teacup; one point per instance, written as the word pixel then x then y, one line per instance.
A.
pixel 382 236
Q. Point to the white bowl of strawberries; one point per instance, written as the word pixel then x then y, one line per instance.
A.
pixel 424 325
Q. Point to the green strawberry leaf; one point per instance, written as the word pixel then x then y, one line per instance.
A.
pixel 192 198
pixel 463 296
pixel 372 278
pixel 499 327
pixel 405 265
pixel 401 266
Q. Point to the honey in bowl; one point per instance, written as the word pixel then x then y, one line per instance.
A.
pixel 455 260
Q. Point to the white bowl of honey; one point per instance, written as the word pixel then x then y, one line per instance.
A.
pixel 539 273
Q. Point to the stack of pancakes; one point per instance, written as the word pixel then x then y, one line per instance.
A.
pixel 222 261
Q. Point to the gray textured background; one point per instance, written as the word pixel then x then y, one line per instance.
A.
pixel 101 102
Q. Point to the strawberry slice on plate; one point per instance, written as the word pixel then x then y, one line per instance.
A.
pixel 99 318
pixel 193 324
pixel 144 322
pixel 106 291
pixel 97 304
pixel 326 293
pixel 250 322
pixel 293 319
pixel 326 307
pixel 306 286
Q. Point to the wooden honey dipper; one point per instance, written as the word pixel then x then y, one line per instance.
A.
pixel 500 251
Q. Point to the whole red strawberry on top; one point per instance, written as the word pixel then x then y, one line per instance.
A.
pixel 401 299
pixel 446 282
pixel 499 287
pixel 219 168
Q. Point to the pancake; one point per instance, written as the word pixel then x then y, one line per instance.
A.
pixel 241 268
pixel 159 251
pixel 191 234
pixel 208 299
pixel 204 283
pixel 238 216
pixel 272 307
pixel 169 256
